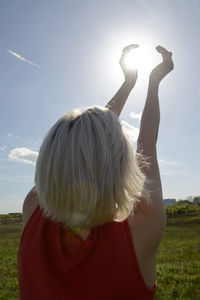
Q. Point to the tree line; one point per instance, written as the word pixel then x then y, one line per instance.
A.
pixel 190 205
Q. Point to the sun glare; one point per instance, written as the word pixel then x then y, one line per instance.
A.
pixel 141 59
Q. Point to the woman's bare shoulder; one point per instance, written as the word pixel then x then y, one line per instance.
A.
pixel 148 226
pixel 146 260
pixel 29 205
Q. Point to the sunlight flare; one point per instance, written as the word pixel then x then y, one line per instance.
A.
pixel 141 59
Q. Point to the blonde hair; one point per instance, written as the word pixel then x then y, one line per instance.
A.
pixel 86 173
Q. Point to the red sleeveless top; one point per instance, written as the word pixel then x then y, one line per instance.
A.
pixel 54 264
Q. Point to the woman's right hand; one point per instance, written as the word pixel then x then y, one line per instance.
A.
pixel 161 70
pixel 129 74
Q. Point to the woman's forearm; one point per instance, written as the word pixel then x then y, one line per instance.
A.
pixel 146 144
pixel 151 115
pixel 118 101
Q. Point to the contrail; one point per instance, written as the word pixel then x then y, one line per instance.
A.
pixel 22 58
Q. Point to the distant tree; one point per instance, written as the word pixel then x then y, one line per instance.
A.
pixel 196 200
pixel 185 201
pixel 179 200
pixel 189 198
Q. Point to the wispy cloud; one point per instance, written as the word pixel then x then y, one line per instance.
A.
pixel 24 155
pixel 12 140
pixel 22 58
pixel 170 168
pixel 15 178
pixel 3 148
pixel 175 173
pixel 135 115
pixel 169 162
pixel 131 131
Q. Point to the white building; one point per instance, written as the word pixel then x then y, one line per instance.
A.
pixel 169 201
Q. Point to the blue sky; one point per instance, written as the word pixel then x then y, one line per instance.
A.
pixel 77 45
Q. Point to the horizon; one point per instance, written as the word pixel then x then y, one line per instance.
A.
pixel 176 200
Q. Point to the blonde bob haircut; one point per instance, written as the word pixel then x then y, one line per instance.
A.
pixel 86 173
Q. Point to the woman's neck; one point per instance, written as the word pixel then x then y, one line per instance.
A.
pixel 80 232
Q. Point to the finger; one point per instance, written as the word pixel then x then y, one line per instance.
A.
pixel 163 51
pixel 129 48
pixel 166 55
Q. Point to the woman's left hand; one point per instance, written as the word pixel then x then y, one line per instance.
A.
pixel 161 70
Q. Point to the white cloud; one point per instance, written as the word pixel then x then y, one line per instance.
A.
pixel 24 155
pixel 131 131
pixel 169 162
pixel 135 116
pixel 9 134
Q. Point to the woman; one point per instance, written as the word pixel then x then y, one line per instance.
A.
pixel 93 223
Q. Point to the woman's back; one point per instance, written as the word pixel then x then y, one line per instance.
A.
pixel 102 267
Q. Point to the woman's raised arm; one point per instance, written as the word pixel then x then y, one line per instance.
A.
pixel 150 120
pixel 146 144
pixel 149 220
pixel 118 101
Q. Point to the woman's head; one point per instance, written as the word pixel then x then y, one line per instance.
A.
pixel 86 172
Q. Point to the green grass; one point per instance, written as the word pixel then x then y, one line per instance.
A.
pixel 10 231
pixel 178 265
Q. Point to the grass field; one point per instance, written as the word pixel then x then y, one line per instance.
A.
pixel 178 268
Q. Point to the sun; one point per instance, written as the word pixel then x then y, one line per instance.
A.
pixel 141 58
